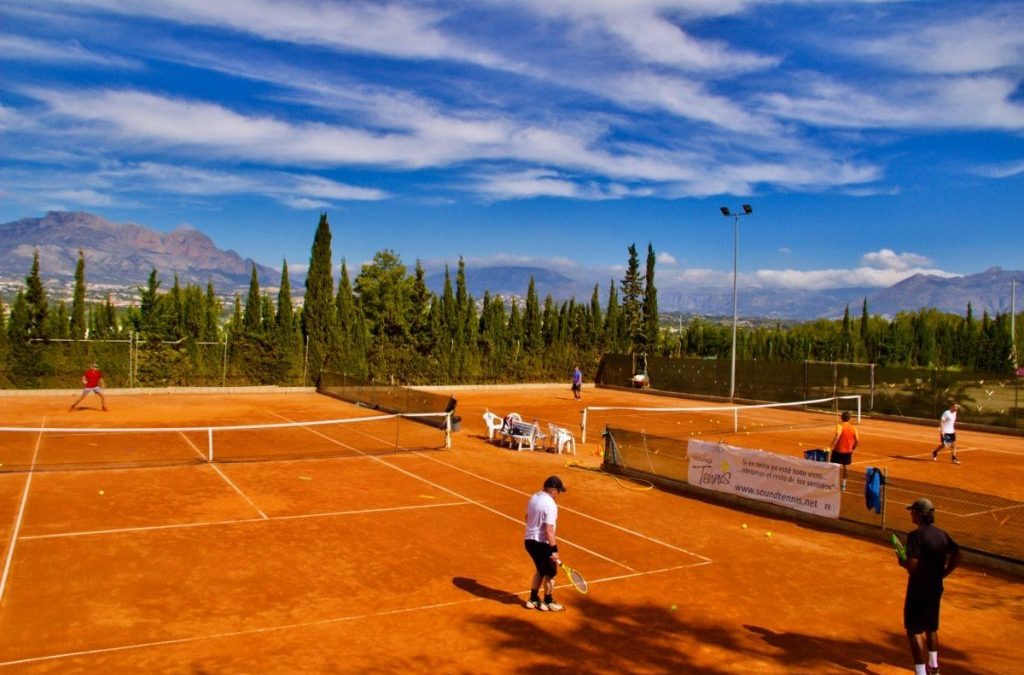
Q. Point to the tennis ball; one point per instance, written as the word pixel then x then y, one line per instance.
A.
pixel 768 534
pixel 673 608
pixel 101 492
pixel 744 526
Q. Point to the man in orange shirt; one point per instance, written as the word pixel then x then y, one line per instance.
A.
pixel 92 381
pixel 843 444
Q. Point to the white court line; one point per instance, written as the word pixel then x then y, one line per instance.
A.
pixel 461 496
pixel 307 624
pixel 578 513
pixel 216 523
pixel 21 512
pixel 226 479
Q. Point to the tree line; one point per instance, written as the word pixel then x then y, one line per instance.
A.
pixel 384 324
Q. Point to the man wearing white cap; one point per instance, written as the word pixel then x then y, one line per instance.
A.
pixel 931 556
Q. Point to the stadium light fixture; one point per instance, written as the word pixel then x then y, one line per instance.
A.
pixel 747 210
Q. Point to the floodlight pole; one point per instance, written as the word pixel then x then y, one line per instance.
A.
pixel 747 210
pixel 1013 324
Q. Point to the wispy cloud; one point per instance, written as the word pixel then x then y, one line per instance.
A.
pixel 17 48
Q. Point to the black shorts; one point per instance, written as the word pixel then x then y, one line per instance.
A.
pixel 948 439
pixel 540 553
pixel 921 611
pixel 843 458
pixel 576 386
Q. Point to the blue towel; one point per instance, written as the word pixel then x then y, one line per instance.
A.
pixel 873 489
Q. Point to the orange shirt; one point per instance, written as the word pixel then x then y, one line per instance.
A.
pixel 846 437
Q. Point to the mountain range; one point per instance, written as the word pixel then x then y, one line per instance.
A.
pixel 124 254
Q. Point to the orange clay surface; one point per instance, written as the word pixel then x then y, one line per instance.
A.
pixel 413 562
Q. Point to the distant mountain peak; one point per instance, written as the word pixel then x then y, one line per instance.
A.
pixel 120 253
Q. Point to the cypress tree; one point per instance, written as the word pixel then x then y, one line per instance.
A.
pixel 36 302
pixel 631 301
pixel 78 300
pixel 651 327
pixel 253 316
pixel 532 337
pixel 319 314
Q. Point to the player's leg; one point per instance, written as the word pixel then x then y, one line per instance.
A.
pixel 932 643
pixel 78 400
pixel 103 399
pixel 952 448
pixel 917 652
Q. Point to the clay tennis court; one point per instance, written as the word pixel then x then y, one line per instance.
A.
pixel 413 561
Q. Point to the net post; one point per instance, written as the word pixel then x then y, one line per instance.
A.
pixel 735 420
pixel 583 426
pixel 858 408
pixel 209 444
pixel 448 431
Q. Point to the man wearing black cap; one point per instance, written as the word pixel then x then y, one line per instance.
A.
pixel 541 516
pixel 931 556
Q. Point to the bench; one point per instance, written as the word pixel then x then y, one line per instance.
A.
pixel 522 434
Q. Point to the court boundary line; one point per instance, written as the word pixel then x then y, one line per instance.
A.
pixel 237 521
pixel 456 494
pixel 574 511
pixel 311 624
pixel 226 479
pixel 15 531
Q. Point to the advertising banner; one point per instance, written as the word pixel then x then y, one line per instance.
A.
pixel 796 483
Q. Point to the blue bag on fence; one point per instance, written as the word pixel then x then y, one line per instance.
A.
pixel 873 489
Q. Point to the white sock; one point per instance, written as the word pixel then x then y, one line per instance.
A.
pixel 933 659
pixel 919 669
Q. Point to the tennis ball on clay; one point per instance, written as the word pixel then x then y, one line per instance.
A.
pixel 673 608
pixel 768 534
pixel 744 526
pixel 101 492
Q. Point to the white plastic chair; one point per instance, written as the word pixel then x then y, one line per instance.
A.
pixel 562 439
pixel 494 424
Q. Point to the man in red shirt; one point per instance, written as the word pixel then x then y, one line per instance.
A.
pixel 92 381
pixel 843 444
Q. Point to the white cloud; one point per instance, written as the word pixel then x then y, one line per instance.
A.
pixel 839 278
pixel 887 259
pixel 1007 170
pixel 17 48
pixel 985 42
pixel 666 258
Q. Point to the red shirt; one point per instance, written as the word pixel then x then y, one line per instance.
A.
pixel 91 378
pixel 846 437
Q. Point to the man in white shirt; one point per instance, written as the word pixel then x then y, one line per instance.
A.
pixel 541 517
pixel 947 432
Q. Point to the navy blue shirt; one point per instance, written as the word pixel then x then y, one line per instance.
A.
pixel 931 546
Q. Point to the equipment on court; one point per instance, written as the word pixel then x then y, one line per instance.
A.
pixel 42 449
pixel 578 582
pixel 901 551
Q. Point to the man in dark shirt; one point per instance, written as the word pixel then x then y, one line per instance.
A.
pixel 931 556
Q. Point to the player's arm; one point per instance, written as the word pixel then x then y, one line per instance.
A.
pixel 856 438
pixel 835 437
pixel 952 561
pixel 549 533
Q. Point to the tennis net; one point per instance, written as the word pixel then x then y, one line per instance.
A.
pixel 721 419
pixel 55 449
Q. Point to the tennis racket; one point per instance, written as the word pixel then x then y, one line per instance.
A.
pixel 901 551
pixel 578 582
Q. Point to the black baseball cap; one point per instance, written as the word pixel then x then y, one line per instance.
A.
pixel 923 506
pixel 554 482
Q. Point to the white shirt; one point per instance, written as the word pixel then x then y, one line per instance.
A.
pixel 541 510
pixel 946 424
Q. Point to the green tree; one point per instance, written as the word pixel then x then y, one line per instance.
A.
pixel 319 314
pixel 78 300
pixel 651 324
pixel 36 302
pixel 632 301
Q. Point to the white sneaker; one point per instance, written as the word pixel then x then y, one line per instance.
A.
pixel 534 604
pixel 844 486
pixel 552 607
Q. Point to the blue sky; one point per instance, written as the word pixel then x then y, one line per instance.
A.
pixel 873 139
